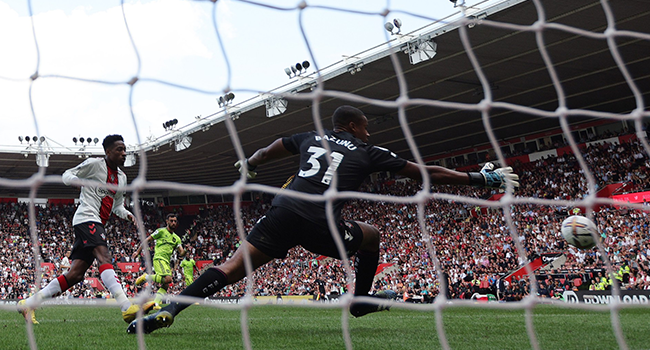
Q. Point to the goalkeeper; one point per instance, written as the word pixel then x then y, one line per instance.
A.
pixel 293 221
pixel 166 242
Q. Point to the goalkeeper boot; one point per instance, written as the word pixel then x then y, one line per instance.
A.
pixel 160 319
pixel 363 308
pixel 140 280
pixel 129 315
pixel 27 313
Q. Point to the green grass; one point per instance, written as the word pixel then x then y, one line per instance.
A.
pixel 275 327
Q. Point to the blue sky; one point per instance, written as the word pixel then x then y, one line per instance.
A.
pixel 176 43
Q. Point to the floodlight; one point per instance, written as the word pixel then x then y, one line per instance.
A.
pixel 82 140
pixel 20 138
pixel 478 19
pixel 34 138
pixel 27 138
pixel 130 160
pixel 43 160
pixel 182 143
pixel 95 140
pixel 305 64
pixel 299 67
pixel 275 106
pixel 293 69
pixel 355 68
pixel 288 71
pixel 42 139
pixel 89 139
pixel 225 99
pixel 397 23
pixel 74 139
pixel 174 121
pixel 421 50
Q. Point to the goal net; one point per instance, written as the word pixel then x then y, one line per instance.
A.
pixel 555 90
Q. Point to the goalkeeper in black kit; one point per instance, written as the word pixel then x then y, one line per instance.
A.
pixel 291 221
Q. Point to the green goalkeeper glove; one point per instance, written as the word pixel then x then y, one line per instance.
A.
pixel 250 173
pixel 493 178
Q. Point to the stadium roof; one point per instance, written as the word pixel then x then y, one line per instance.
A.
pixel 508 55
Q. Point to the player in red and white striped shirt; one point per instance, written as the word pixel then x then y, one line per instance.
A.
pixel 96 204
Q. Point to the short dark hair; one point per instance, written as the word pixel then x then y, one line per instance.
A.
pixel 345 114
pixel 171 215
pixel 110 140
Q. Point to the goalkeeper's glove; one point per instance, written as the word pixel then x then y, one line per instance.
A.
pixel 493 178
pixel 250 173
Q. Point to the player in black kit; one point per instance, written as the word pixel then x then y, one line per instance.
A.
pixel 292 221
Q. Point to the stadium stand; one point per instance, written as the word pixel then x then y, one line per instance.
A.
pixel 473 244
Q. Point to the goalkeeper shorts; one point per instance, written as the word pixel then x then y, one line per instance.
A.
pixel 282 229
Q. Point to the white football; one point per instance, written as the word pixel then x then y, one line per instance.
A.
pixel 577 231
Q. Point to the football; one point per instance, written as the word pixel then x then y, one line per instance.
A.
pixel 577 231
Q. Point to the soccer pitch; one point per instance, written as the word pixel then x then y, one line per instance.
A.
pixel 277 327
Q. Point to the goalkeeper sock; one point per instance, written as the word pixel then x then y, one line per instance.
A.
pixel 210 282
pixel 365 266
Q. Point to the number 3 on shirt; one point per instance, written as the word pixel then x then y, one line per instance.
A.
pixel 316 153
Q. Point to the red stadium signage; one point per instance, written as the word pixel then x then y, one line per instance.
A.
pixel 384 269
pixel 323 259
pixel 201 263
pixel 94 282
pixel 638 197
pixel 47 267
pixel 129 267
pixel 538 263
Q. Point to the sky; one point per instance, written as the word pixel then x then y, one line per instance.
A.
pixel 175 42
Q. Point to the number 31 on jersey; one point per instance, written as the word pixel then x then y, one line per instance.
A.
pixel 315 162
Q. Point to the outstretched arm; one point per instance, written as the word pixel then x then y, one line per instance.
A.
pixel 275 150
pixel 443 176
pixel 439 175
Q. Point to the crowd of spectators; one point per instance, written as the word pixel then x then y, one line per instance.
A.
pixel 474 246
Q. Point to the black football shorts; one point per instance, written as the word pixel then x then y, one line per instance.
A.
pixel 87 236
pixel 281 229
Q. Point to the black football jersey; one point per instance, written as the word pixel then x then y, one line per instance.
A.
pixel 351 160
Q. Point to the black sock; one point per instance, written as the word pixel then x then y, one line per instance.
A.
pixel 210 282
pixel 365 266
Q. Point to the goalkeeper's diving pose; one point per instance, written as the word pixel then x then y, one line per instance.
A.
pixel 292 221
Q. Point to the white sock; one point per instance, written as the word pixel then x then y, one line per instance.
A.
pixel 53 288
pixel 113 285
